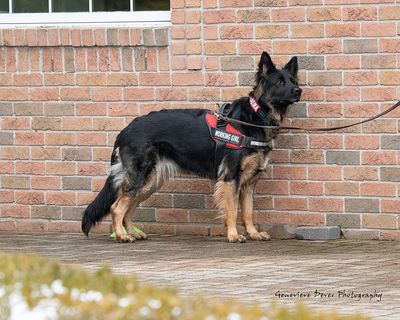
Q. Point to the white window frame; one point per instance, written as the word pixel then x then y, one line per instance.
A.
pixel 101 18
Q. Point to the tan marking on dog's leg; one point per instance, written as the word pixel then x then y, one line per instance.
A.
pixel 118 211
pixel 246 203
pixel 151 186
pixel 226 198
pixel 248 178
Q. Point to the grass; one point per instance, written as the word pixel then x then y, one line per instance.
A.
pixel 47 289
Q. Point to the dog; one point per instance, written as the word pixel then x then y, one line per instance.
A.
pixel 154 147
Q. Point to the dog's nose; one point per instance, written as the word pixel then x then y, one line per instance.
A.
pixel 297 90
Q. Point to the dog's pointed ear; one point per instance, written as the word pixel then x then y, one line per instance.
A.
pixel 265 66
pixel 292 66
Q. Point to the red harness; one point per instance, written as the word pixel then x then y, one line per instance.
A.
pixel 230 135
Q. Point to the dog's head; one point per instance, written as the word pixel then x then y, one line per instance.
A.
pixel 276 88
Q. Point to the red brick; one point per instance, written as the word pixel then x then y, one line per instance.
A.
pixel 236 32
pixel 389 77
pixel 46 183
pixel 379 189
pixel 73 94
pixel 390 206
pixel 65 198
pixel 253 47
pixel 14 153
pixel 326 142
pixel 37 226
pixel 92 169
pixel 342 188
pixel 106 94
pixel 29 197
pixel 326 204
pixel 30 168
pixel 289 47
pixel 15 211
pixel 22 79
pixel 324 13
pixel 325 173
pixel 91 139
pixel 60 139
pixel 374 221
pixel 13 123
pixel 172 215
pixel 343 30
pixel 360 173
pixel 291 203
pixel 361 142
pixel 220 16
pixel 60 168
pixel 325 110
pixel 379 157
pixel 272 31
pixel 6 196
pixel 342 94
pixel 289 173
pixel 87 109
pixel 360 78
pixel 378 94
pixel 138 94
pixel 389 12
pixel 29 138
pixel 306 188
pixel 309 30
pixel 378 29
pixel 219 47
pixel 343 62
pixel 389 45
pixel 360 109
pixel 76 123
pixel 361 13
pixel 10 94
pixel 325 46
pixel 303 219
pixel 171 94
pixel 287 14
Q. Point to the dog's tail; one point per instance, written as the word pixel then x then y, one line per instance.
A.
pixel 100 206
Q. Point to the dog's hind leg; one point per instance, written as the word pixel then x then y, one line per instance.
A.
pixel 163 170
pixel 143 194
pixel 226 198
pixel 118 211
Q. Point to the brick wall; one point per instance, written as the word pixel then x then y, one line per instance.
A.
pixel 66 93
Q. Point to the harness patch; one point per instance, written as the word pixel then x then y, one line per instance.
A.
pixel 230 135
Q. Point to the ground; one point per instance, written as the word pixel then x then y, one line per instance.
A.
pixel 249 271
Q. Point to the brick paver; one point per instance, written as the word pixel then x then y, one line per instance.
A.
pixel 254 270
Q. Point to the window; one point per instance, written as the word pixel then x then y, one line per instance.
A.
pixel 55 12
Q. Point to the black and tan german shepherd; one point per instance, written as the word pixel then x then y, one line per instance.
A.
pixel 154 147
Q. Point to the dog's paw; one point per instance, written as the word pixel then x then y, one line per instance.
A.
pixel 139 235
pixel 236 238
pixel 260 236
pixel 125 238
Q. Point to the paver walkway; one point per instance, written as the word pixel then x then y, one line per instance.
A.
pixel 254 270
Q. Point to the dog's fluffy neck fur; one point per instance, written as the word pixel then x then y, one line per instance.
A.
pixel 250 116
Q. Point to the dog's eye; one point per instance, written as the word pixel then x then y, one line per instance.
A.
pixel 279 83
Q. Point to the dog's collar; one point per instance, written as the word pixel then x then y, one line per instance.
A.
pixel 257 108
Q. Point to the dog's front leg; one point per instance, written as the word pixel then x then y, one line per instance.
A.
pixel 246 204
pixel 226 198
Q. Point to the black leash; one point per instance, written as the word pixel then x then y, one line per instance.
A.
pixel 230 120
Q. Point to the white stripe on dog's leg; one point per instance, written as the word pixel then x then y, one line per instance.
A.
pixel 117 171
pixel 165 170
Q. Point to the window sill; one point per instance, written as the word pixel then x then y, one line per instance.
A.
pixel 104 19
